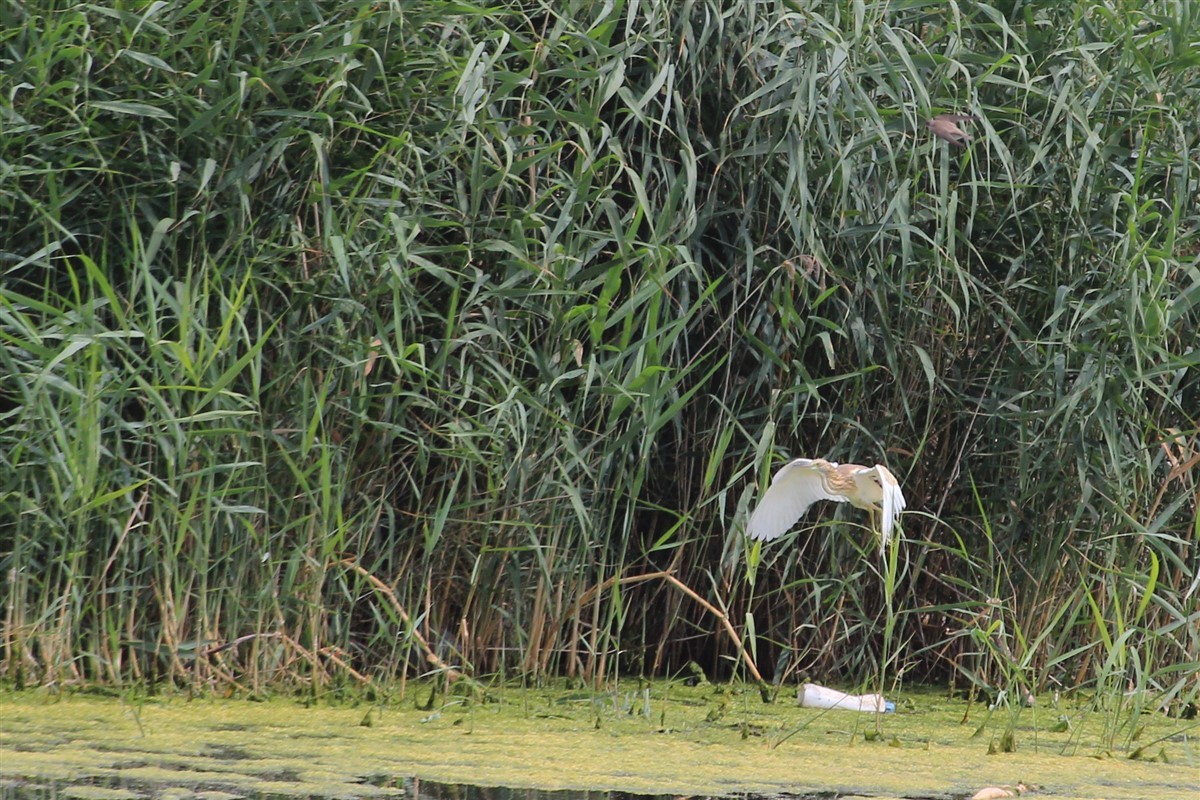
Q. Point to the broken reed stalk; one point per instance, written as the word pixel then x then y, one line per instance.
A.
pixel 307 655
pixel 687 590
pixel 451 673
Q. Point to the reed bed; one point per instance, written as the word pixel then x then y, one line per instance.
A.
pixel 347 342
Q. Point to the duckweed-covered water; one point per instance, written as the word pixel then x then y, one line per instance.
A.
pixel 647 739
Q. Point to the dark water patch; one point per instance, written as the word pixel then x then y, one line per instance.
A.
pixel 281 776
pixel 114 788
pixel 35 747
pixel 413 789
pixel 420 789
pixel 224 752
pixel 101 747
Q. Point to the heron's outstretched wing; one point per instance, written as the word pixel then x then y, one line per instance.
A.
pixel 892 504
pixel 795 487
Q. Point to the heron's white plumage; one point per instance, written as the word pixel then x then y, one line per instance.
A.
pixel 795 487
pixel 892 504
pixel 800 483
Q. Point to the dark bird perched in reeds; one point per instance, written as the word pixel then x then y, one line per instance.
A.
pixel 945 126
pixel 800 483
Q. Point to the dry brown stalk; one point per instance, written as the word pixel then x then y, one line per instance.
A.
pixel 687 590
pixel 452 674
pixel 230 645
pixel 724 621
pixel 328 652
pixel 333 656
pixel 311 658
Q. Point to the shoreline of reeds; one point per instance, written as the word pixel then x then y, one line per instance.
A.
pixel 343 342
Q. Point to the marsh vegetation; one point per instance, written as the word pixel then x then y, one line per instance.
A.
pixel 345 342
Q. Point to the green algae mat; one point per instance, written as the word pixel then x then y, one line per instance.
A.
pixel 654 738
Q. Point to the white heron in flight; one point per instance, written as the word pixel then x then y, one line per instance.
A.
pixel 800 483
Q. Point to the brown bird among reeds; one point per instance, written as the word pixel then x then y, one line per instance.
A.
pixel 945 126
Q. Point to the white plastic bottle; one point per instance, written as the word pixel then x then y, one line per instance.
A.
pixel 814 696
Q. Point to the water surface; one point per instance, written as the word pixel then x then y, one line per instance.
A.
pixel 661 739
